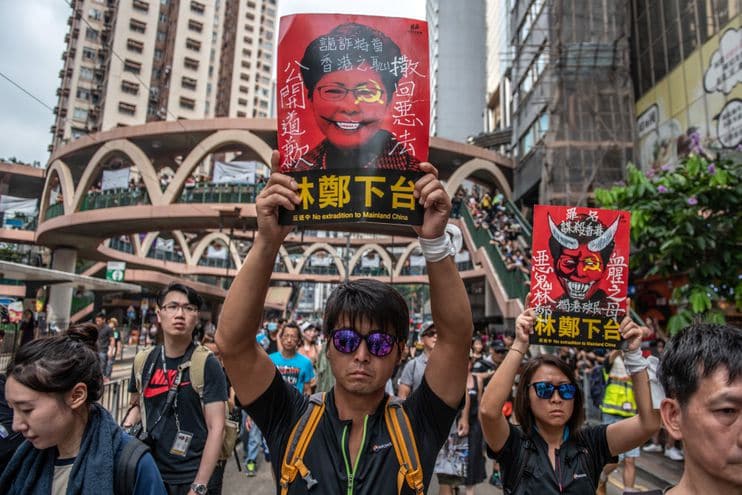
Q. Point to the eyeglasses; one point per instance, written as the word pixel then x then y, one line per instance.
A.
pixel 172 308
pixel 369 92
pixel 545 390
pixel 347 340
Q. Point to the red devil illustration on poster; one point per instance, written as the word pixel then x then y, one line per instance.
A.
pixel 579 275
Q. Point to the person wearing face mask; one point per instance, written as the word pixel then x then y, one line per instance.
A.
pixel 72 444
pixel 551 451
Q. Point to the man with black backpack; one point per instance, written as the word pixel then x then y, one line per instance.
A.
pixel 184 393
pixel 353 439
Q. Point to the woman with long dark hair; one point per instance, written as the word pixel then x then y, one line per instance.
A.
pixel 551 451
pixel 73 445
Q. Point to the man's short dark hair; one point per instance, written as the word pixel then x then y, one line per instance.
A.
pixel 192 295
pixel 368 300
pixel 318 61
pixel 697 352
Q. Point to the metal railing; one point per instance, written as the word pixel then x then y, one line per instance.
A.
pixel 220 193
pixel 514 281
pixel 54 210
pixel 116 398
pixel 114 198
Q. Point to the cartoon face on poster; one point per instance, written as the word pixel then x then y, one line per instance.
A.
pixel 579 276
pixel 353 115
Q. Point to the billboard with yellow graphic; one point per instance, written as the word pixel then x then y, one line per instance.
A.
pixel 698 106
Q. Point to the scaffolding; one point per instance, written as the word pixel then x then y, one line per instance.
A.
pixel 585 89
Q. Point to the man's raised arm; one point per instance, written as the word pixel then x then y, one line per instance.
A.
pixel 249 368
pixel 449 360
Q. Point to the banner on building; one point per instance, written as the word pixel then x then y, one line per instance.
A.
pixel 234 172
pixel 115 179
pixel 217 251
pixel 321 259
pixel 353 115
pixel 167 245
pixel 579 275
pixel 371 261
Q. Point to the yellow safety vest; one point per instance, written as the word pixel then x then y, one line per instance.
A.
pixel 619 397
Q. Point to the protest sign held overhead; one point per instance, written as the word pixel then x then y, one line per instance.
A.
pixel 579 275
pixel 353 115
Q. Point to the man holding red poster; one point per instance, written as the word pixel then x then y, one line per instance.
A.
pixel 579 275
pixel 353 106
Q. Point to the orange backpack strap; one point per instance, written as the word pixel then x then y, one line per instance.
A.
pixel 301 435
pixel 405 447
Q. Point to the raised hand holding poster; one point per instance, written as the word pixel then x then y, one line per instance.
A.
pixel 579 275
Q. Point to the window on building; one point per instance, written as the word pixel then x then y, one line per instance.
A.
pixel 245 64
pixel 83 94
pixel 137 26
pixel 86 74
pixel 191 63
pixel 141 5
pixel 241 114
pixel 249 16
pixel 88 53
pixel 195 26
pixel 161 35
pixel 242 101
pixel 163 18
pixel 188 103
pixel 244 77
pixel 127 108
pixel 188 82
pixel 197 7
pixel 80 114
pixel 78 133
pixel 132 66
pixel 192 44
pixel 95 14
pixel 246 52
pixel 91 34
pixel 158 54
pixel 243 89
pixel 134 45
pixel 129 87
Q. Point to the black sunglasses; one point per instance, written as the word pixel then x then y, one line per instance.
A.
pixel 347 341
pixel 545 390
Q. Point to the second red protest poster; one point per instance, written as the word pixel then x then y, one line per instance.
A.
pixel 353 115
pixel 579 275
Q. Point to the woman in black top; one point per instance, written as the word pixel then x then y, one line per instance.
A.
pixel 551 451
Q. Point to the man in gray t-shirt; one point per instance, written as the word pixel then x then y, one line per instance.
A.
pixel 412 374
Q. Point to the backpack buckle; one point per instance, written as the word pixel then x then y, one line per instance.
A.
pixel 309 480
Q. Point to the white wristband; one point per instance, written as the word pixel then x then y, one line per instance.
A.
pixel 634 361
pixel 436 249
pixel 446 245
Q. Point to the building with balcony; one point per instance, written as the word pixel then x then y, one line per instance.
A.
pixel 132 62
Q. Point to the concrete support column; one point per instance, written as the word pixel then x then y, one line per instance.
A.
pixel 60 295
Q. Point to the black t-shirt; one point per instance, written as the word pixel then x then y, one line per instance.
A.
pixel 105 335
pixel 272 346
pixel 177 469
pixel 281 405
pixel 580 460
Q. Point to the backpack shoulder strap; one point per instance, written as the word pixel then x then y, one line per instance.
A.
pixel 140 362
pixel 299 438
pixel 513 477
pixel 125 469
pixel 405 447
pixel 198 368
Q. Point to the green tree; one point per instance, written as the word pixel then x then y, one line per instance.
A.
pixel 686 220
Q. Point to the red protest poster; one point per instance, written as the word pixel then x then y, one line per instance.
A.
pixel 579 275
pixel 353 97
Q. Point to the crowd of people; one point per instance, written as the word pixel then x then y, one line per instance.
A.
pixel 490 213
pixel 361 402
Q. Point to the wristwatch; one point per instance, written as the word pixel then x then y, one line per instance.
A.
pixel 199 488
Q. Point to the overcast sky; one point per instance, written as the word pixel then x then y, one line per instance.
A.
pixel 32 40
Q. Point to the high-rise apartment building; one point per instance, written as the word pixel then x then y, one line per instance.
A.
pixel 573 112
pixel 129 62
pixel 457 67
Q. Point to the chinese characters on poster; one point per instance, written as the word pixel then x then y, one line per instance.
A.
pixel 579 275
pixel 353 116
